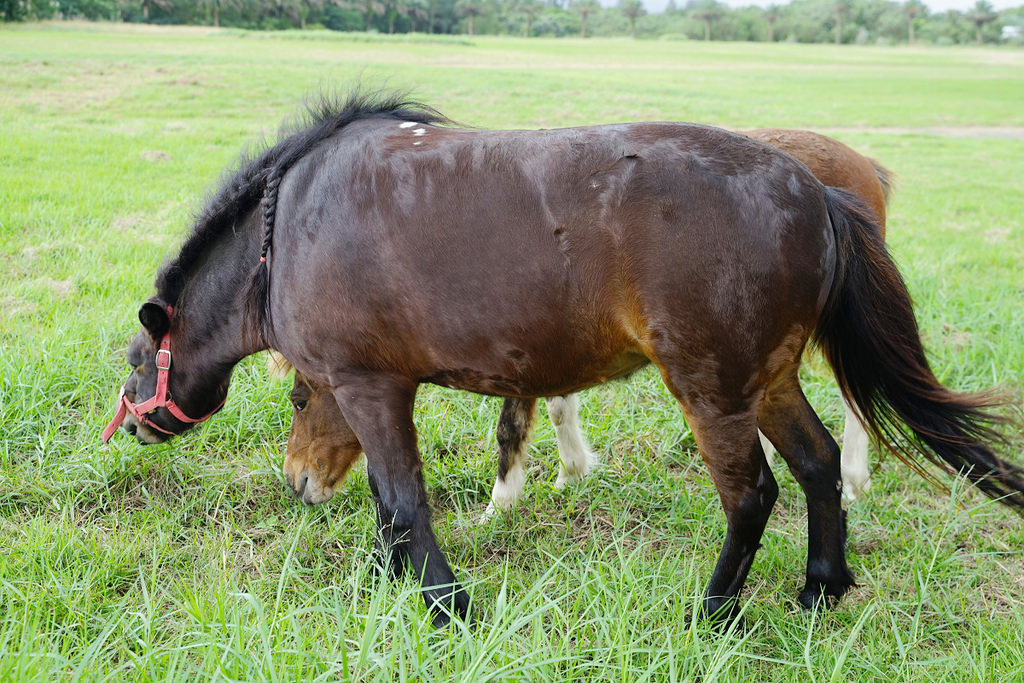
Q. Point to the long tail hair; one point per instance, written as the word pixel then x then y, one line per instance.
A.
pixel 869 335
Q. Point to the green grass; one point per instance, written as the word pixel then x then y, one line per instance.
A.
pixel 190 560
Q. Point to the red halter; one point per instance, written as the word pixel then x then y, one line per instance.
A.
pixel 161 399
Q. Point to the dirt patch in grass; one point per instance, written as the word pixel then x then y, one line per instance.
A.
pixel 11 306
pixel 155 156
pixel 955 338
pixel 997 235
pixel 62 289
pixel 975 132
pixel 82 83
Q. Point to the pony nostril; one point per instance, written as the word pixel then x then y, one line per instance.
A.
pixel 300 485
pixel 131 428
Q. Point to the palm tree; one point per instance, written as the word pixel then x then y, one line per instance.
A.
pixel 369 9
pixel 392 9
pixel 431 8
pixel 842 8
pixel 771 15
pixel 215 6
pixel 287 9
pixel 913 9
pixel 529 9
pixel 982 13
pixel 302 9
pixel 417 12
pixel 147 4
pixel 469 9
pixel 632 9
pixel 585 8
pixel 708 11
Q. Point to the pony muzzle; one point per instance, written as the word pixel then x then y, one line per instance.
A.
pixel 160 399
pixel 141 421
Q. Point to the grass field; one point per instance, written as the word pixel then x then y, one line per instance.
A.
pixel 190 560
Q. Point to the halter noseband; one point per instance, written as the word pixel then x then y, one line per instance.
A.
pixel 161 399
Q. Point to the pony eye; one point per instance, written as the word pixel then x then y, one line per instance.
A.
pixel 299 405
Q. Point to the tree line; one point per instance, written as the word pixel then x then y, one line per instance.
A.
pixel 804 21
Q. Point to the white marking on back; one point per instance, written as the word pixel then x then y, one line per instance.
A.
pixel 577 458
pixel 419 131
pixel 418 142
pixel 407 124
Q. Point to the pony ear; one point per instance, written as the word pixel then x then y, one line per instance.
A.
pixel 154 318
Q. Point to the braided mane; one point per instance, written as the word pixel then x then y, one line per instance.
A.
pixel 257 178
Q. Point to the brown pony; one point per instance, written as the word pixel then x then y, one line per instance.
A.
pixel 371 248
pixel 322 449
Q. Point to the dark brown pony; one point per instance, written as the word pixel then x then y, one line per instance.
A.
pixel 387 240
pixel 322 449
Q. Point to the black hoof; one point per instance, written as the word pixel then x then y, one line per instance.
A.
pixel 444 607
pixel 389 563
pixel 821 596
pixel 722 613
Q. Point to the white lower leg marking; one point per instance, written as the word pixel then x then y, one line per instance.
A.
pixel 577 458
pixel 507 491
pixel 854 467
pixel 767 447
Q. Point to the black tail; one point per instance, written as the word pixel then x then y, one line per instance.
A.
pixel 869 334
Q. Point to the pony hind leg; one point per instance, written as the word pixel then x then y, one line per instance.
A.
pixel 577 460
pixel 854 458
pixel 514 427
pixel 813 457
pixel 856 476
pixel 731 449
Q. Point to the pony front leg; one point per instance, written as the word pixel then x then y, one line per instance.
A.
pixel 379 410
pixel 387 547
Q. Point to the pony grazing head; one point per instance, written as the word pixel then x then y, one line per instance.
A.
pixel 321 447
pixel 157 418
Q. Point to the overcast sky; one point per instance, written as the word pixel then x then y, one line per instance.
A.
pixel 933 5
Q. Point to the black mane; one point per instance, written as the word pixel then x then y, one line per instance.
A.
pixel 242 190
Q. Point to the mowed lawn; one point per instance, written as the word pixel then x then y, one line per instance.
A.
pixel 191 561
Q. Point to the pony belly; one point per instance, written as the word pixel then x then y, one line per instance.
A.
pixel 555 378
